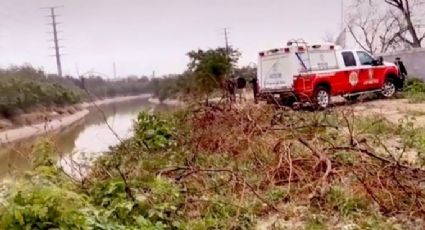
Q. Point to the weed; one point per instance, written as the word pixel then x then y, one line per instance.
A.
pixel 277 194
pixel 345 203
pixel 375 126
pixel 347 158
pixel 315 223
pixel 415 90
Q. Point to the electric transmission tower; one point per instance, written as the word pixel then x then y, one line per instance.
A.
pixel 55 32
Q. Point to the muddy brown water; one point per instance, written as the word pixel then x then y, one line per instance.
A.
pixel 89 137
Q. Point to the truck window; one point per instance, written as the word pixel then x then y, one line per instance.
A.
pixel 365 58
pixel 349 59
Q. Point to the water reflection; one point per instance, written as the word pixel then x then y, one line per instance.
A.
pixel 90 136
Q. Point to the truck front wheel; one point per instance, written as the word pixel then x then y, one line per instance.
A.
pixel 389 88
pixel 322 97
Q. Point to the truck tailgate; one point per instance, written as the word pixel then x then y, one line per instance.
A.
pixel 276 72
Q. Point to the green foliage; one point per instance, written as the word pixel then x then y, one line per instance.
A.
pixel 346 158
pixel 315 223
pixel 44 207
pixel 101 87
pixel 211 66
pixel 154 132
pixel 42 153
pixel 375 125
pixel 277 194
pixel 22 88
pixel 415 90
pixel 345 203
pixel 163 179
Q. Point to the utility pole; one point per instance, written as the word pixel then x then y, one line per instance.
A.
pixel 55 31
pixel 115 70
pixel 226 40
pixel 343 30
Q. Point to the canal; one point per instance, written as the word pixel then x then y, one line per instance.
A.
pixel 84 140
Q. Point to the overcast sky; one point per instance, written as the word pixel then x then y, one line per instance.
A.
pixel 145 35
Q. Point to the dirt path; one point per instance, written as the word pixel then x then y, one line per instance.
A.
pixel 394 110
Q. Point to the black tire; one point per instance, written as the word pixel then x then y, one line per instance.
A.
pixel 322 97
pixel 389 88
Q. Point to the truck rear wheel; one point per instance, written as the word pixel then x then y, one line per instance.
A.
pixel 389 88
pixel 322 97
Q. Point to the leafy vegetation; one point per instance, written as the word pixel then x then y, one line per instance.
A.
pixel 415 90
pixel 101 87
pixel 206 74
pixel 23 88
pixel 215 168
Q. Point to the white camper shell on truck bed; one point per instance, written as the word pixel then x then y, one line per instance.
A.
pixel 277 67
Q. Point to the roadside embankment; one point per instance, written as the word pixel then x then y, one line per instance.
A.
pixel 60 122
pixel 114 100
pixel 171 102
pixel 26 132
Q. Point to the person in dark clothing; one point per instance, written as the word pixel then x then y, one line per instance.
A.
pixel 255 90
pixel 403 70
pixel 401 66
pixel 241 84
pixel 230 86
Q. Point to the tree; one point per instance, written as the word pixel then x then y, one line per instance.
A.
pixel 374 31
pixel 406 21
pixel 380 26
pixel 212 67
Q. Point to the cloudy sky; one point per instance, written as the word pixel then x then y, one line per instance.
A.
pixel 141 36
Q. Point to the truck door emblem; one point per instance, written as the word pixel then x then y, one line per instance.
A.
pixel 353 78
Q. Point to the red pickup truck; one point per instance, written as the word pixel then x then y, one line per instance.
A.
pixel 311 74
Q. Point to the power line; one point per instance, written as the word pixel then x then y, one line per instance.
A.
pixel 55 32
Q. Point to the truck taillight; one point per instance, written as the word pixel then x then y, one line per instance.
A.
pixel 286 50
pixel 332 47
pixel 262 54
pixel 301 49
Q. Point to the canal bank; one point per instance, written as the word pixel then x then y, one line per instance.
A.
pixel 54 125
pixel 84 138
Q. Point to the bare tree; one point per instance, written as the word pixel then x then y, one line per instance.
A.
pixel 406 21
pixel 373 30
pixel 328 37
pixel 380 26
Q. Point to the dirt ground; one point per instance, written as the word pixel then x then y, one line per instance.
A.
pixel 392 109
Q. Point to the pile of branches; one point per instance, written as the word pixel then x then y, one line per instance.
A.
pixel 300 151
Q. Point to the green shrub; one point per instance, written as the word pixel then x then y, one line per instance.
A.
pixel 415 90
pixel 154 132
